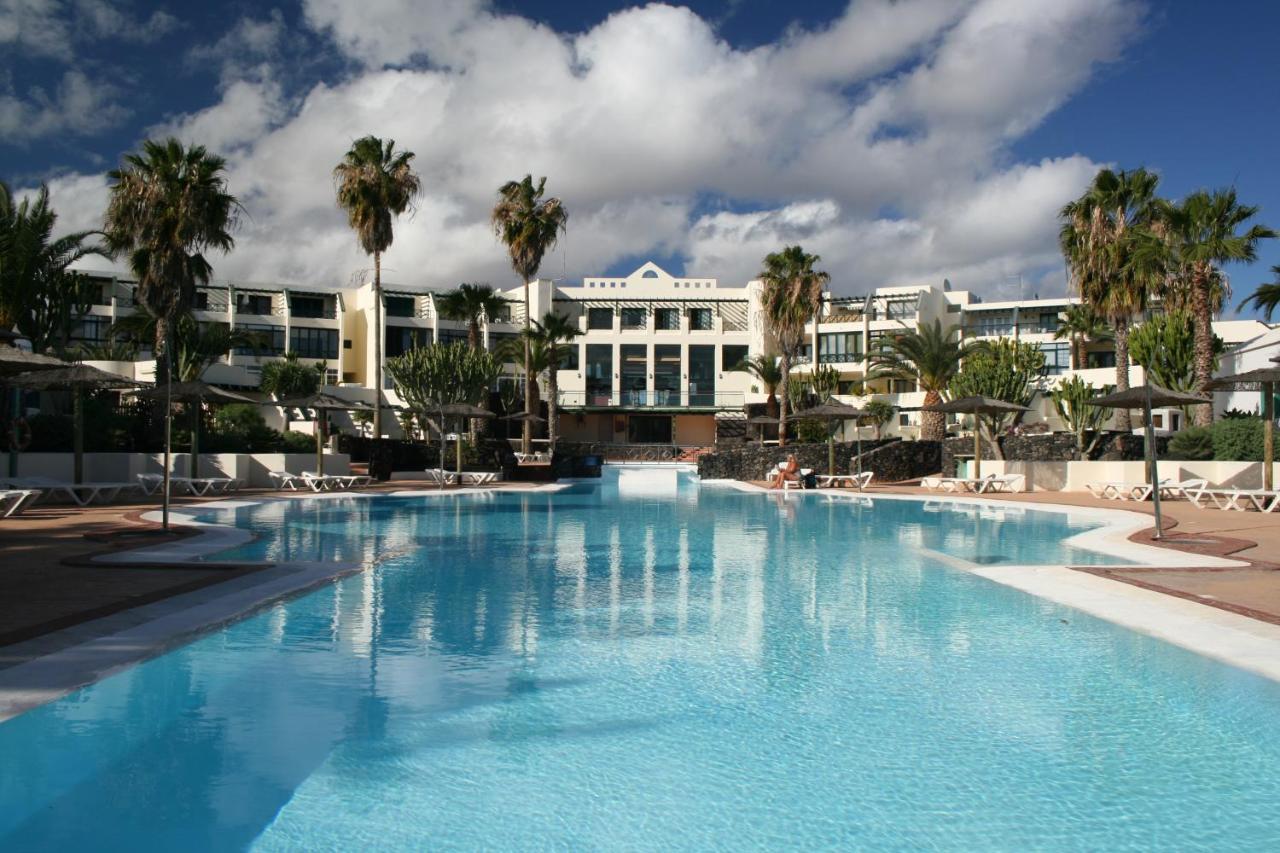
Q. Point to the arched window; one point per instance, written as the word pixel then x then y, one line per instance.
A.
pixel 650 274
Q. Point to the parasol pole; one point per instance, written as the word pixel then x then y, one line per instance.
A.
pixel 320 442
pixel 977 446
pixel 1150 434
pixel 168 430
pixel 77 436
pixel 1268 453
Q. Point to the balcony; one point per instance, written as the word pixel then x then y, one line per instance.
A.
pixel 655 400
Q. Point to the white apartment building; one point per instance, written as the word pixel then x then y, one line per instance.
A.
pixel 656 361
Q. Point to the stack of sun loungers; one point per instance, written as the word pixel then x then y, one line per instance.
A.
pixel 329 482
pixel 82 494
pixel 980 485
pixel 466 478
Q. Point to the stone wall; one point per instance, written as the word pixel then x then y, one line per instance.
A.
pixel 1051 447
pixel 903 460
pixel 752 461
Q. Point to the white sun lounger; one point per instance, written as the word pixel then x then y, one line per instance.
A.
pixel 857 481
pixel 478 478
pixel 1237 499
pixel 82 494
pixel 14 501
pixel 435 475
pixel 198 486
pixel 282 480
pixel 1121 490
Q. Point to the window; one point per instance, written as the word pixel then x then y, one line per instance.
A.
pixel 599 374
pixel 90 329
pixel 600 319
pixel 901 386
pixel 733 355
pixel 634 318
pixel 398 340
pixel 666 374
pixel 254 303
pixel 904 419
pixel 666 319
pixel 1105 358
pixel 201 302
pixel 570 360
pixel 649 274
pixel 397 306
pixel 307 306
pixel 498 340
pixel 314 343
pixel 649 429
pixel 900 310
pixel 453 336
pixel 702 375
pixel 839 347
pixel 1048 322
pixel 700 320
pixel 1057 358
pixel 991 323
pixel 272 340
pixel 634 373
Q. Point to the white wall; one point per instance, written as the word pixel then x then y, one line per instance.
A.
pixel 1074 476
pixel 125 467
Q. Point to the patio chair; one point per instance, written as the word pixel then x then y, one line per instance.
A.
pixel 14 501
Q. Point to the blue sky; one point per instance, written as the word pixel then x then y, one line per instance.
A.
pixel 903 142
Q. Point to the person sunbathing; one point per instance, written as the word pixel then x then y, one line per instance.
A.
pixel 789 471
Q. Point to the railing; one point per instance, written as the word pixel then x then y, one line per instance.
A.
pixel 840 357
pixel 651 400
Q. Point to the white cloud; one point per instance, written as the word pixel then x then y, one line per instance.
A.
pixel 50 28
pixel 881 141
pixel 35 27
pixel 78 106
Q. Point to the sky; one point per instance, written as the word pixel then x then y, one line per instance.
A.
pixel 904 142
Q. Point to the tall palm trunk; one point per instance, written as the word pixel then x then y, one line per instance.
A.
pixel 1079 353
pixel 1123 422
pixel 933 425
pixel 1202 324
pixel 526 428
pixel 783 386
pixel 473 334
pixel 377 345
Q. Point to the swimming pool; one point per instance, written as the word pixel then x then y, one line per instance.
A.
pixel 654 667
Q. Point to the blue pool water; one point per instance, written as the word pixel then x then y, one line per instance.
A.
pixel 615 667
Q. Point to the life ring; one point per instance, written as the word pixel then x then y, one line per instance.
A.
pixel 19 435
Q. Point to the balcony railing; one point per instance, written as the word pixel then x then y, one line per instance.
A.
pixel 622 399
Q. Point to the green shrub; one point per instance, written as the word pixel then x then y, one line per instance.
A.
pixel 1192 443
pixel 241 428
pixel 299 442
pixel 50 433
pixel 808 431
pixel 1238 440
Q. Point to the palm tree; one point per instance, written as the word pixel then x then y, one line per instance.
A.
pixel 289 379
pixel 375 184
pixel 470 303
pixel 552 339
pixel 791 297
pixel 1096 240
pixel 1199 236
pixel 930 357
pixel 528 225
pixel 169 205
pixel 1081 324
pixel 196 345
pixel 1267 297
pixel 38 292
pixel 764 367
